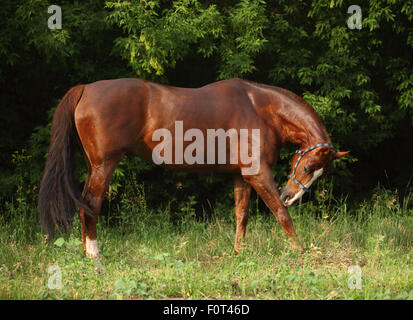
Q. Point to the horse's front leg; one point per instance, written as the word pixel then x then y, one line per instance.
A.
pixel 264 184
pixel 242 193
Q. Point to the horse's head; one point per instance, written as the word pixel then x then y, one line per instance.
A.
pixel 307 166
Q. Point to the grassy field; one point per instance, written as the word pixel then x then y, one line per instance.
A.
pixel 148 255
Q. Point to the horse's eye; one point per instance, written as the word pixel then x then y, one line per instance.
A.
pixel 306 170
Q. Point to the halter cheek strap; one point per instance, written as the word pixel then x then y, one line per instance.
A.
pixel 302 153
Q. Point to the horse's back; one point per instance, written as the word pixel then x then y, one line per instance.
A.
pixel 121 115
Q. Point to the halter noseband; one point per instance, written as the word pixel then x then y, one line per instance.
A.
pixel 302 153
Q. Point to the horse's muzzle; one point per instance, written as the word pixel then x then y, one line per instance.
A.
pixel 285 196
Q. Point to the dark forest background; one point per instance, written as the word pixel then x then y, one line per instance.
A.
pixel 359 81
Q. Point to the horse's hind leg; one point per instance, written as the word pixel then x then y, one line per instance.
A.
pixel 242 193
pixel 96 185
pixel 82 211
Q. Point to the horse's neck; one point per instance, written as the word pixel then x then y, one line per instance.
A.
pixel 302 126
pixel 294 119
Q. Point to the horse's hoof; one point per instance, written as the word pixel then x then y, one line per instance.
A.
pixel 295 245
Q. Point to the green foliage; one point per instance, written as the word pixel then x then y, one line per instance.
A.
pixel 338 69
pixel 243 39
pixel 158 37
pixel 148 256
pixel 359 81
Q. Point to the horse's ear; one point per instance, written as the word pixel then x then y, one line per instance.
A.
pixel 339 155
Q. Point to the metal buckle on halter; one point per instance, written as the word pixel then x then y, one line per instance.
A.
pixel 302 153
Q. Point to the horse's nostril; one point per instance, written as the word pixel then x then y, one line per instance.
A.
pixel 284 196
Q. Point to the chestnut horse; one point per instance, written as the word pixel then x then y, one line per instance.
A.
pixel 114 118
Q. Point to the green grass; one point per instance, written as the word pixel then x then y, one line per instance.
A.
pixel 146 255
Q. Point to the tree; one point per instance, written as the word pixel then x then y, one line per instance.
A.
pixel 359 81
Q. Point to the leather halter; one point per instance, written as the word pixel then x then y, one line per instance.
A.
pixel 302 153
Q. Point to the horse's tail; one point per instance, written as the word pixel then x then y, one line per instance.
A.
pixel 59 196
